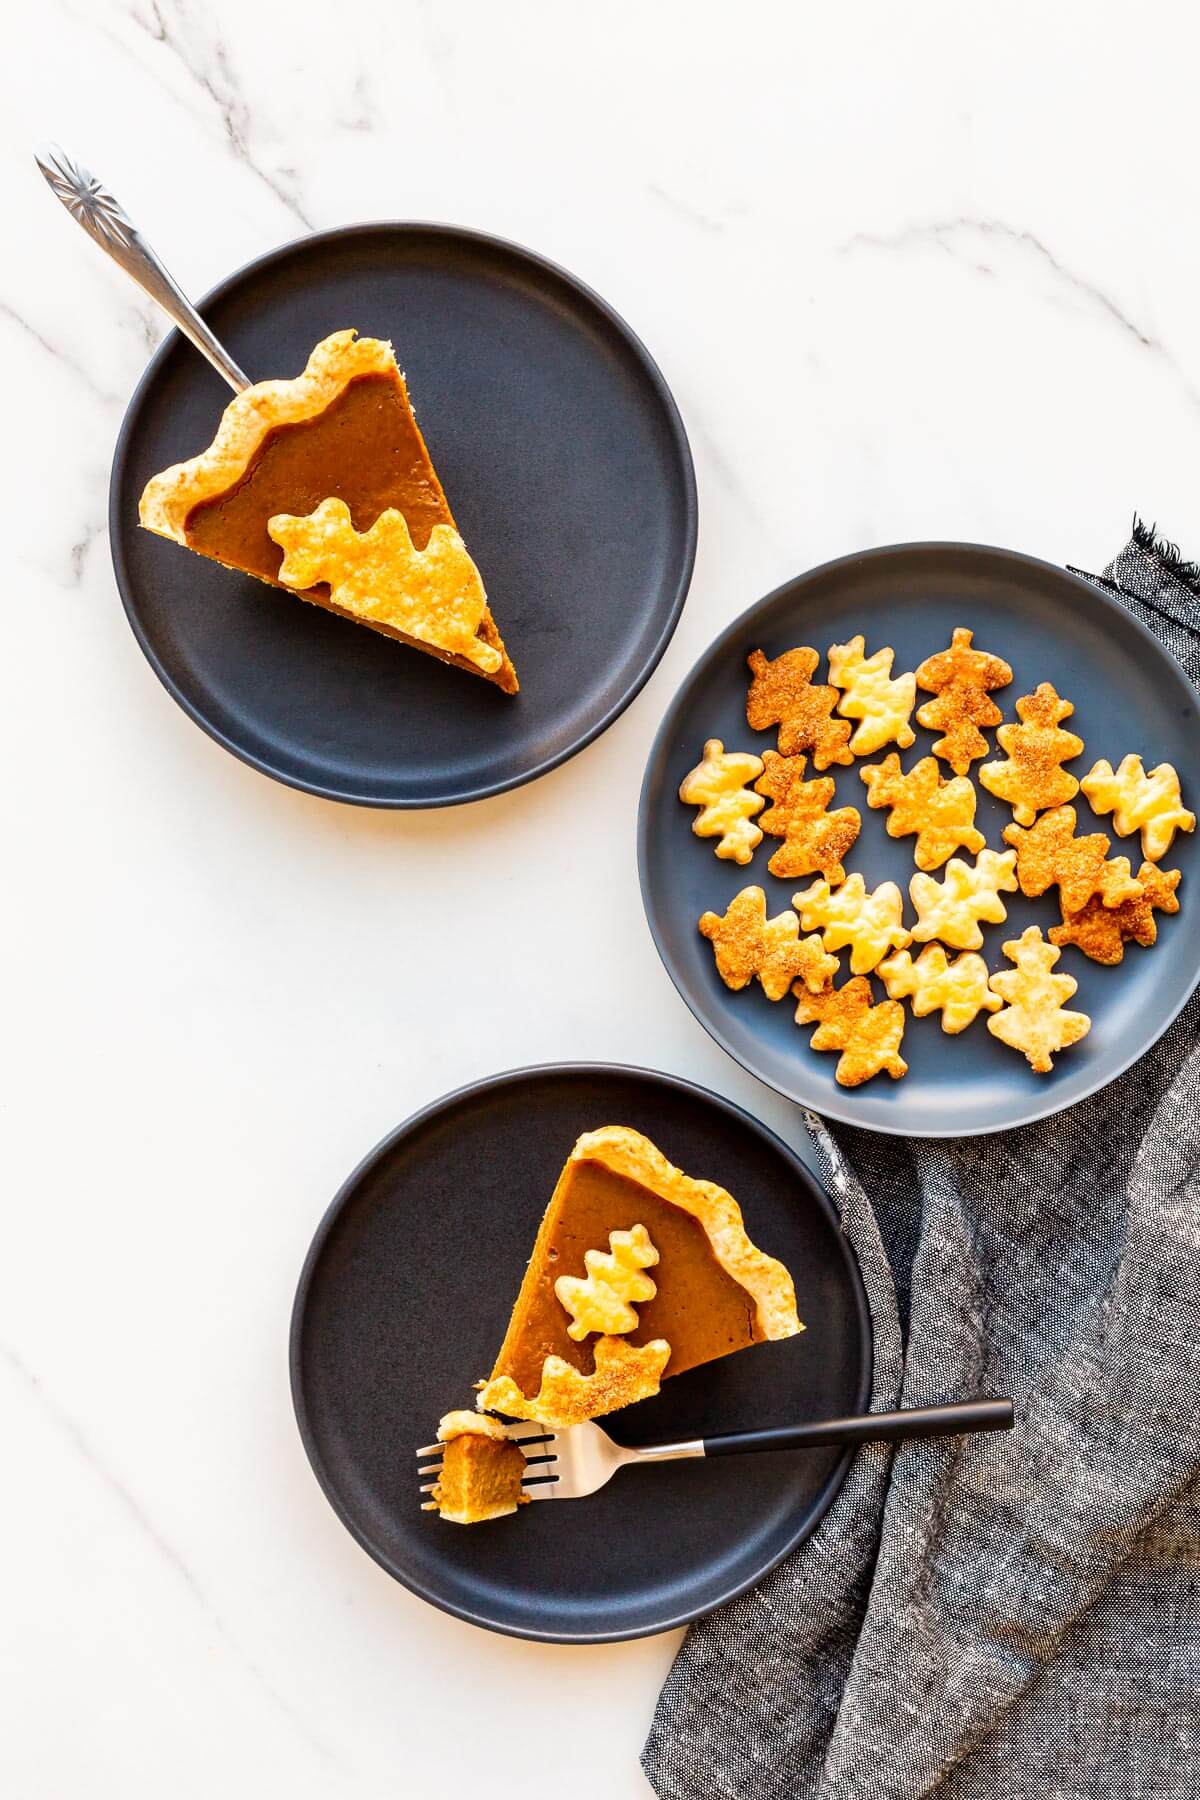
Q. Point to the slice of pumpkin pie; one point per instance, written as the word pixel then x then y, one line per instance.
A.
pixel 481 1473
pixel 322 484
pixel 638 1272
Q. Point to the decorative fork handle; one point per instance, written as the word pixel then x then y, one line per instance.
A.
pixel 108 225
pixel 870 1428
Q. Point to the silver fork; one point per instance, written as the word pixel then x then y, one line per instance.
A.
pixel 569 1465
pixel 108 224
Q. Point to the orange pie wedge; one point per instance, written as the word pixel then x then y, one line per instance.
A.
pixel 343 432
pixel 638 1272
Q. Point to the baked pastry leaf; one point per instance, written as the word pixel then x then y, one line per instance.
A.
pixel 882 706
pixel 951 909
pixel 604 1300
pixel 958 990
pixel 814 839
pixel 717 785
pixel 867 1035
pixel 434 594
pixel 1032 778
pixel 940 812
pixel 621 1375
pixel 782 692
pixel 1149 803
pixel 1049 853
pixel 1033 1018
pixel 1102 932
pixel 747 944
pixel 868 923
pixel 962 679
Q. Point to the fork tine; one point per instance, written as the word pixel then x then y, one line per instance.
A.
pixel 541 1454
pixel 433 1468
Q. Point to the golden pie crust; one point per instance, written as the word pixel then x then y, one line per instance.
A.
pixel 255 424
pixel 380 578
pixel 623 1374
pixel 247 421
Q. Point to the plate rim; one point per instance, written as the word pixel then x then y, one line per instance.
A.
pixel 818 1194
pixel 547 269
pixel 842 1111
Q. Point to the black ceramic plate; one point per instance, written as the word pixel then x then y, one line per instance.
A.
pixel 568 470
pixel 403 1302
pixel 1129 695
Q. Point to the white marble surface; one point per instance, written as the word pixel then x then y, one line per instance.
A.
pixel 911 271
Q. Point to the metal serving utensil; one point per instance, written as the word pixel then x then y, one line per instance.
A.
pixel 107 224
pixel 568 1465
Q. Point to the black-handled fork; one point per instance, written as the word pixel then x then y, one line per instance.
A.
pixel 568 1465
pixel 951 1420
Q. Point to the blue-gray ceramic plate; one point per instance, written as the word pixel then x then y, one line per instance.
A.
pixel 1129 695
pixel 405 1296
pixel 569 472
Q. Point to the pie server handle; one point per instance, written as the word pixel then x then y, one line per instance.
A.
pixel 108 225
pixel 872 1428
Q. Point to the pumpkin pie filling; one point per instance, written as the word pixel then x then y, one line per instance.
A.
pixel 365 449
pixel 344 431
pixel 698 1308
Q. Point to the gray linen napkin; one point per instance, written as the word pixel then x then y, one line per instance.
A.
pixel 1014 1614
